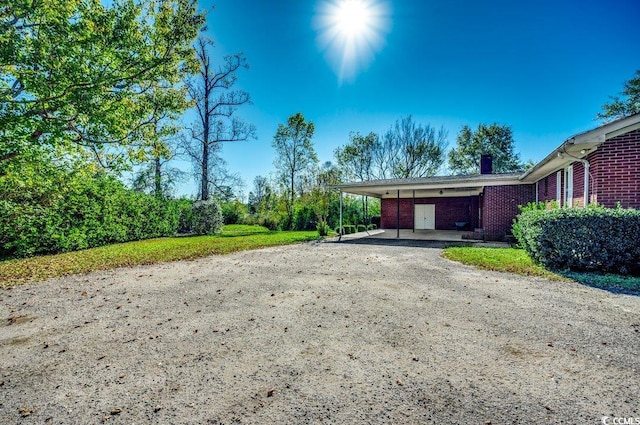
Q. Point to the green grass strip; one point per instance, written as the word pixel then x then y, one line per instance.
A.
pixel 510 260
pixel 517 261
pixel 152 251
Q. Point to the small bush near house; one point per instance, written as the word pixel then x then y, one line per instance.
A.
pixel 589 239
pixel 207 218
pixel 362 228
pixel 371 227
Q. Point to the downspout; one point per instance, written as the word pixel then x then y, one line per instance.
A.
pixel 537 196
pixel 586 181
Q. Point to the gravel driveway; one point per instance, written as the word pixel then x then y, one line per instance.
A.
pixel 332 333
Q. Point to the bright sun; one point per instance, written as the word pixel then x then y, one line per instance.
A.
pixel 350 32
pixel 352 17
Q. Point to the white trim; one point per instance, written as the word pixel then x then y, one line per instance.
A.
pixel 568 186
pixel 622 131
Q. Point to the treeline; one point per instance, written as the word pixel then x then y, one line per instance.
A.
pixel 91 93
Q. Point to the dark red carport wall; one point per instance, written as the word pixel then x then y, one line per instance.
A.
pixel 500 208
pixel 449 211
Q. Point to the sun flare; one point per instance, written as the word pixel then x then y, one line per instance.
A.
pixel 352 17
pixel 351 32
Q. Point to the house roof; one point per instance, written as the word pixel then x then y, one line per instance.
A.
pixel 574 148
pixel 453 185
pixel 579 146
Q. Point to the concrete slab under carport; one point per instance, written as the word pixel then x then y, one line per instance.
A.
pixel 445 237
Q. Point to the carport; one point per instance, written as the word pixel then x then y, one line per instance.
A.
pixel 431 206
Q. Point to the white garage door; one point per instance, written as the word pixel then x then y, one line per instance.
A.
pixel 425 216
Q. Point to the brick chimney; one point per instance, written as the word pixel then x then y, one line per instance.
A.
pixel 486 164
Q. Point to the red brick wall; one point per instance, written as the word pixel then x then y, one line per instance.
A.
pixel 615 167
pixel 448 212
pixel 500 207
pixel 578 184
pixel 388 215
pixel 547 188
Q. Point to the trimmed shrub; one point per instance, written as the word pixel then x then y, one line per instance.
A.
pixel 185 218
pixel 589 239
pixel 372 227
pixel 207 218
pixel 361 228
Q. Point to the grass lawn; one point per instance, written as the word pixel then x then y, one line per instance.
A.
pixel 233 238
pixel 517 261
pixel 499 259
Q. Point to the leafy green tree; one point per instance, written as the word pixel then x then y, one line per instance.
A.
pixel 493 139
pixel 295 152
pixel 628 103
pixel 262 198
pixel 75 74
pixel 215 103
pixel 322 194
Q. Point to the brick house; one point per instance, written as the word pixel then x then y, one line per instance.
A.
pixel 600 165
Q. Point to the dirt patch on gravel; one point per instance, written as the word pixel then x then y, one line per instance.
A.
pixel 316 333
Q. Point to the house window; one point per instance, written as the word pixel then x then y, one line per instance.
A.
pixel 559 187
pixel 568 186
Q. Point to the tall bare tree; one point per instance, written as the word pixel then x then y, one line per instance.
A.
pixel 215 102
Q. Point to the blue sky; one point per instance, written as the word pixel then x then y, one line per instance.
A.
pixel 542 67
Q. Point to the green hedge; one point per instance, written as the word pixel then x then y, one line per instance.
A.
pixel 66 210
pixel 589 239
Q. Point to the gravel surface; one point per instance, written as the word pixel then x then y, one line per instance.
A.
pixel 332 333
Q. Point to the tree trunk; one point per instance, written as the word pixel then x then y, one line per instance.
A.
pixel 8 156
pixel 204 188
pixel 158 177
pixel 204 178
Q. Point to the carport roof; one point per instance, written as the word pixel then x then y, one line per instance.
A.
pixel 379 188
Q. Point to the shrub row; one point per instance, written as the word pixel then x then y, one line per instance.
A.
pixel 589 239
pixel 347 229
pixel 67 211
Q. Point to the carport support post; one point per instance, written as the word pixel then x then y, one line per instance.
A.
pixel 414 211
pixel 398 217
pixel 340 225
